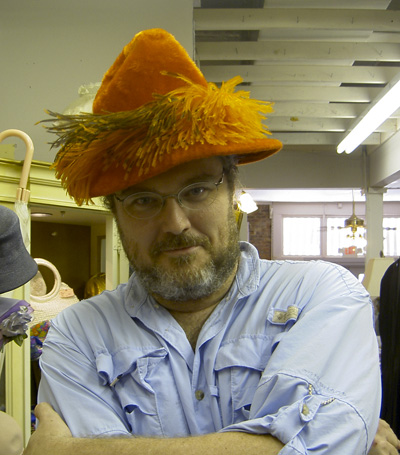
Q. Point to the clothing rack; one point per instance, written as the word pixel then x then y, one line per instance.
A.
pixel 389 328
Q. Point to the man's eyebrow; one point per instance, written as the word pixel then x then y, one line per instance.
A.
pixel 198 178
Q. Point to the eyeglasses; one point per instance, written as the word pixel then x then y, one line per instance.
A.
pixel 196 196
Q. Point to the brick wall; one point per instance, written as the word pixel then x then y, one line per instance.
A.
pixel 260 230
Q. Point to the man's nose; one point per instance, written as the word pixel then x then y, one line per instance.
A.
pixel 173 217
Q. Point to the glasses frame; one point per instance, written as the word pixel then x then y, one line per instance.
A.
pixel 175 196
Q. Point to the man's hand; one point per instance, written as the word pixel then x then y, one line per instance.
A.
pixel 51 428
pixel 385 441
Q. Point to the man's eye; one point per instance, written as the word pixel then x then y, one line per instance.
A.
pixel 141 202
pixel 197 193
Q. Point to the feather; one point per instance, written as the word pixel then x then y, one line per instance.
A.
pixel 171 123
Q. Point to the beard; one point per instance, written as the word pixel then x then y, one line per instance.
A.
pixel 185 280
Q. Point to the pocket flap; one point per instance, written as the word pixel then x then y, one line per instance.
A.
pixel 113 366
pixel 250 351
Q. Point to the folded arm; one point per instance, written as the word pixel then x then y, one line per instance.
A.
pixel 53 436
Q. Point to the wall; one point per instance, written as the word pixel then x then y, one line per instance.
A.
pixel 259 229
pixel 49 48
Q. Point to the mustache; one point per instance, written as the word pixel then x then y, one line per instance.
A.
pixel 171 242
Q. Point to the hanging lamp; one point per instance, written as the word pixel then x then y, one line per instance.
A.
pixel 354 222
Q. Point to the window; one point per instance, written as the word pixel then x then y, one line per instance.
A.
pixel 317 230
pixel 301 236
pixel 335 236
pixel 391 236
pixel 338 240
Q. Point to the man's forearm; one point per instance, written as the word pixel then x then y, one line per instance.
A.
pixel 54 437
pixel 212 444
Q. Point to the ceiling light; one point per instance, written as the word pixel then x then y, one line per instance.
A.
pixel 246 203
pixel 40 214
pixel 380 110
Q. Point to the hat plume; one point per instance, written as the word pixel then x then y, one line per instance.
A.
pixel 141 138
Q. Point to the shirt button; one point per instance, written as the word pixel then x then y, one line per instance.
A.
pixel 199 394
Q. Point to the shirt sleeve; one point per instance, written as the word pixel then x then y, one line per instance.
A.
pixel 320 391
pixel 71 383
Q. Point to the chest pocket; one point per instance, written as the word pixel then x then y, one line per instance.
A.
pixel 135 378
pixel 238 367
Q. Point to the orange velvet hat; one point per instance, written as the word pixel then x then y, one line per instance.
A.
pixel 153 111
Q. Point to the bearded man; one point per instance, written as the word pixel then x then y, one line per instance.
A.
pixel 207 348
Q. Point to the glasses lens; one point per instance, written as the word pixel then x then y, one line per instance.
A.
pixel 198 195
pixel 143 205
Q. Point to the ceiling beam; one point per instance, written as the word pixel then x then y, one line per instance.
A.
pixel 276 124
pixel 338 4
pixel 320 110
pixel 313 94
pixel 288 50
pixel 384 163
pixel 322 138
pixel 259 18
pixel 301 73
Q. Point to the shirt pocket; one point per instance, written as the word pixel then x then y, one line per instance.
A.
pixel 131 376
pixel 238 367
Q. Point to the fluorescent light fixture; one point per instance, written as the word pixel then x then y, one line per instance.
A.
pixel 40 214
pixel 381 109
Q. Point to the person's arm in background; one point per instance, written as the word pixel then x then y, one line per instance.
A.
pixel 385 442
pixel 11 440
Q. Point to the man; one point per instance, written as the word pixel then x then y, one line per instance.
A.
pixel 207 349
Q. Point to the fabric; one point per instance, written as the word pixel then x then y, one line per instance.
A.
pixel 389 325
pixel 38 334
pixel 15 315
pixel 289 351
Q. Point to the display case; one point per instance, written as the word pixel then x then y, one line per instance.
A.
pixel 82 241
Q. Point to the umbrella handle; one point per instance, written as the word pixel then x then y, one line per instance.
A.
pixel 22 192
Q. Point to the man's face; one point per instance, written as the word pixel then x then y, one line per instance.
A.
pixel 182 254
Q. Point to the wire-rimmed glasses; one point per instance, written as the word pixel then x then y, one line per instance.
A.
pixel 147 204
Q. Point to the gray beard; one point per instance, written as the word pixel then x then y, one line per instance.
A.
pixel 185 285
pixel 184 282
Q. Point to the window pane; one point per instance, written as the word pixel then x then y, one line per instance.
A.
pixel 339 241
pixel 391 236
pixel 301 236
pixel 335 236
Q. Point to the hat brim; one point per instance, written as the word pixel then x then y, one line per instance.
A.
pixel 116 179
pixel 18 272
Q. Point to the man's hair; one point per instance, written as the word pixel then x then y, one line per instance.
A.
pixel 229 164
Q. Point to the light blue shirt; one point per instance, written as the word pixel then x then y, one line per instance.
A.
pixel 290 351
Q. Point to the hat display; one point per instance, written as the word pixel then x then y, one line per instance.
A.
pixel 153 111
pixel 17 267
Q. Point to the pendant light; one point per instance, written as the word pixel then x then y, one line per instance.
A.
pixel 354 222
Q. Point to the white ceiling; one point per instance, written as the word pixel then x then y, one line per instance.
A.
pixel 321 62
pixel 322 67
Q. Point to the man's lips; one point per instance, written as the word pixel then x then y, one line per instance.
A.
pixel 179 245
pixel 180 250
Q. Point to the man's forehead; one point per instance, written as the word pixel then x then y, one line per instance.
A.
pixel 186 173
